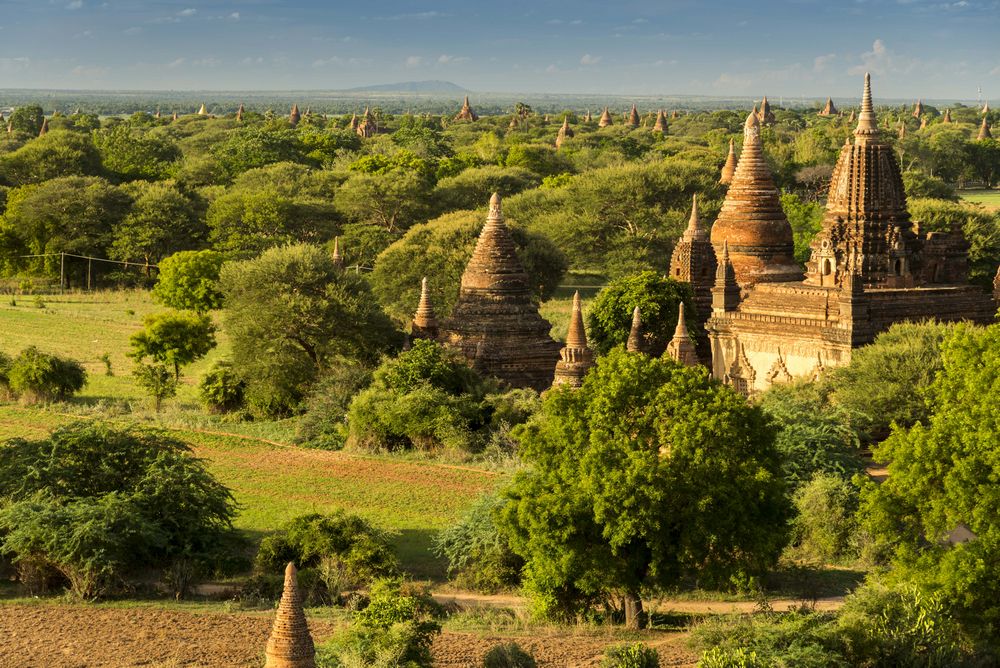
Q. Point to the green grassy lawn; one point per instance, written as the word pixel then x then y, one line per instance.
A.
pixel 988 198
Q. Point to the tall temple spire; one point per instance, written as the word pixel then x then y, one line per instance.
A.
pixel 366 127
pixel 337 258
pixel 636 342
pixel 681 349
pixel 867 129
pixel 984 130
pixel 729 169
pixel 725 291
pixel 575 358
pixel 239 113
pixel 766 115
pixel 661 122
pixel 918 109
pixel 424 323
pixel 45 127
pixel 633 117
pixel 947 116
pixel 495 322
pixel 605 120
pixel 294 116
pixel 694 229
pixel 565 132
pixel 290 645
pixel 986 108
pixel 752 219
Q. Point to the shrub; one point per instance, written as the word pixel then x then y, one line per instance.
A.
pixel 731 658
pixel 478 554
pixel 158 381
pixel 825 527
pixel 190 280
pixel 99 502
pixel 508 655
pixel 174 338
pixel 221 388
pixel 324 424
pixel 396 629
pixel 800 639
pixel 347 548
pixel 38 376
pixel 630 655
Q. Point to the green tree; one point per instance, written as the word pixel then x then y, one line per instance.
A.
pixel 649 473
pixel 27 120
pixel 806 219
pixel 157 380
pixel 174 338
pixel 290 314
pixel 246 222
pixel 472 187
pixel 37 376
pixel 163 220
pixel 255 146
pixel 609 319
pixel 393 201
pixel 56 154
pixel 190 280
pixel 942 475
pixel 132 154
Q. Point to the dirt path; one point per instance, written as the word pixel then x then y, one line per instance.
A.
pixel 80 636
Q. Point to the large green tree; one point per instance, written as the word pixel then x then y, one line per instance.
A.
pixel 609 319
pixel 162 221
pixel 290 314
pixel 650 473
pixel 53 155
pixel 130 153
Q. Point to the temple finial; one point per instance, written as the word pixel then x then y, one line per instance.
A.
pixel 337 258
pixel 290 645
pixel 867 123
pixel 635 342
pixel 496 208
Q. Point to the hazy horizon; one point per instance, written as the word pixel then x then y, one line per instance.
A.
pixel 791 49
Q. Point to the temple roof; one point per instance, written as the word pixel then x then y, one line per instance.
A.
pixel 829 109
pixel 294 116
pixel 729 169
pixel 290 645
pixel 918 109
pixel 564 131
pixel 575 358
pixel 695 231
pixel 766 115
pixel 752 220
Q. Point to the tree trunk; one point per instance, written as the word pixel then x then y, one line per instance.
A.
pixel 635 618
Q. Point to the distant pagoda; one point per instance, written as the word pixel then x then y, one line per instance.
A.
pixel 294 116
pixel 565 132
pixel 425 324
pixel 605 120
pixel 946 119
pixel 984 130
pixel 661 123
pixel 693 262
pixel 366 128
pixel 633 117
pixel 918 109
pixel 239 113
pixel 45 128
pixel 495 322
pixel 765 114
pixel 466 113
pixel 636 338
pixel 290 645
pixel 729 168
pixel 829 109
pixel 203 111
pixel 575 357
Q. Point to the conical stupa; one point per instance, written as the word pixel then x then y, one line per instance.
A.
pixel 947 116
pixel 45 127
pixel 425 324
pixel 337 258
pixel 729 169
pixel 203 111
pixel 984 130
pixel 765 114
pixel 633 117
pixel 294 116
pixel 565 132
pixel 923 122
pixel 290 645
pixel 366 128
pixel 674 115
pixel 173 116
pixel 918 109
pixel 513 122
pixel 829 109
pixel 752 220
pixel 575 357
pixel 588 118
pixel 986 108
pixel 661 123
pixel 239 113
pixel 902 130
pixel 495 322
pixel 466 113
pixel 693 261
pixel 636 340
pixel 605 120
pixel 681 349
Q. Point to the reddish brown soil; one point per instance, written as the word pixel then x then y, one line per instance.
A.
pixel 67 636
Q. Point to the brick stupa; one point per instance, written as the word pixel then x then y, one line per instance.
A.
pixel 765 114
pixel 565 132
pixel 466 113
pixel 575 357
pixel 294 116
pixel 984 131
pixel 681 349
pixel 633 117
pixel 636 338
pixel 829 109
pixel 495 322
pixel 366 128
pixel 693 261
pixel 947 116
pixel 729 169
pixel 918 109
pixel 661 123
pixel 290 645
pixel 605 120
pixel 425 324
pixel 239 113
pixel 760 240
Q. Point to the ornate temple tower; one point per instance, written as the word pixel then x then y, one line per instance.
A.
pixel 765 114
pixel 829 109
pixel 752 221
pixel 425 324
pixel 466 113
pixel 866 230
pixel 681 349
pixel 366 128
pixel 693 262
pixel 575 357
pixel 290 645
pixel 495 322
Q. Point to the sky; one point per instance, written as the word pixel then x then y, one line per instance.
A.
pixel 807 48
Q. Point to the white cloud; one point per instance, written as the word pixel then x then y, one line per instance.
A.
pixel 575 22
pixel 340 62
pixel 134 30
pixel 446 59
pixel 235 16
pixel 882 60
pixel 187 12
pixel 418 16
pixel 552 69
pixel 588 59
pixel 89 72
pixel 14 64
pixel 820 63
pixel 75 4
pixel 177 62
pixel 414 61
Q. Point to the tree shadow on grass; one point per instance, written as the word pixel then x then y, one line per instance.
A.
pixel 415 549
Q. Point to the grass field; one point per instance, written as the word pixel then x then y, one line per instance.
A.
pixel 272 480
pixel 988 198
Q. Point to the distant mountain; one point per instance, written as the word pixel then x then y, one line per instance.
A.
pixel 411 87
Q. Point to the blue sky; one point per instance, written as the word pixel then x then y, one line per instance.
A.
pixel 792 48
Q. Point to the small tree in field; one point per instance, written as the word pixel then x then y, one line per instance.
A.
pixel 174 339
pixel 190 280
pixel 157 380
pixel 648 474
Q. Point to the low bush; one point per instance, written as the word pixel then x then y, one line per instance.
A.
pixel 731 658
pixel 344 550
pixel 825 528
pixel 478 555
pixel 221 388
pixel 508 655
pixel 395 630
pixel 324 424
pixel 630 655
pixel 36 376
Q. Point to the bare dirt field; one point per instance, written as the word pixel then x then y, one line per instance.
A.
pixel 69 636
